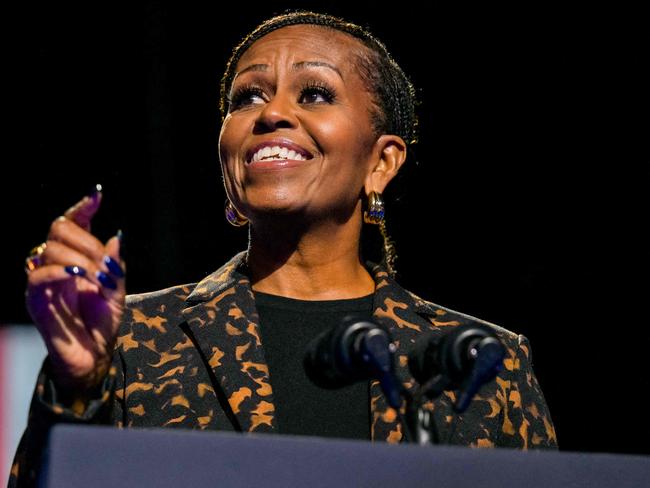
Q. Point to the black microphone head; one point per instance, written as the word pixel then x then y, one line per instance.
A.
pixel 451 354
pixel 330 360
pixel 458 349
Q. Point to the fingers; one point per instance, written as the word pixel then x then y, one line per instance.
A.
pixel 82 212
pixel 71 246
pixel 76 263
pixel 71 235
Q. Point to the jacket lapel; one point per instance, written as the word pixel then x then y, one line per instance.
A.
pixel 221 315
pixel 404 315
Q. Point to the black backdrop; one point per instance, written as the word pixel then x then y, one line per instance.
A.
pixel 526 203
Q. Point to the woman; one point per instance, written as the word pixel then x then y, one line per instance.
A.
pixel 317 120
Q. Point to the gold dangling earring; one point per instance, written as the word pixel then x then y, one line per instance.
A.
pixel 375 213
pixel 233 216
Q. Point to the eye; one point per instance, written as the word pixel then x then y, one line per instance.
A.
pixel 244 96
pixel 315 92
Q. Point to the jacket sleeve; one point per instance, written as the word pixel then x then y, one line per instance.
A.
pixel 50 406
pixel 527 421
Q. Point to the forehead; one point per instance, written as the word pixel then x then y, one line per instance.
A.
pixel 297 43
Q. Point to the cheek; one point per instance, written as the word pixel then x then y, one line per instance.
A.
pixel 347 165
pixel 344 137
pixel 233 133
pixel 226 137
pixel 230 142
pixel 228 147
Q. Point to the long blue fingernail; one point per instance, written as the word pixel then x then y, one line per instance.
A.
pixel 106 281
pixel 95 191
pixel 114 267
pixel 75 270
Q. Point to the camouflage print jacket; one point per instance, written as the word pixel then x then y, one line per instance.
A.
pixel 191 357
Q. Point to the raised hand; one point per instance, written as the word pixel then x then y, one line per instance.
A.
pixel 75 295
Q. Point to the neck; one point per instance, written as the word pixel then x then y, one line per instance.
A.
pixel 319 261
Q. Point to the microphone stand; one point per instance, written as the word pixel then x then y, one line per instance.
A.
pixel 418 425
pixel 419 421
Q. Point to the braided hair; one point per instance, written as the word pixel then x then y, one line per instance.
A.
pixel 392 93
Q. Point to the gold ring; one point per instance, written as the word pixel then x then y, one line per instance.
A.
pixel 33 261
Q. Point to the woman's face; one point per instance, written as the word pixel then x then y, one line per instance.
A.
pixel 298 137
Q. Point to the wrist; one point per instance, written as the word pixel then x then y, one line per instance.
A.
pixel 75 392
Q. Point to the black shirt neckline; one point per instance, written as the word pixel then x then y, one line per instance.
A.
pixel 296 304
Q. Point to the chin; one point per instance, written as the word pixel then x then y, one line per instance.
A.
pixel 274 208
pixel 275 199
pixel 270 210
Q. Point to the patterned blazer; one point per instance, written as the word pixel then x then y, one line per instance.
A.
pixel 191 357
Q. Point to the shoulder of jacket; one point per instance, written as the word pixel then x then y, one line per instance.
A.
pixel 443 316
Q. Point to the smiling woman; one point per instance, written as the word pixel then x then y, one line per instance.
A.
pixel 292 91
pixel 317 118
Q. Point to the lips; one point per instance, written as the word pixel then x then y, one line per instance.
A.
pixel 285 145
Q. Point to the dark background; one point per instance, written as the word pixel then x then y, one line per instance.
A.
pixel 526 203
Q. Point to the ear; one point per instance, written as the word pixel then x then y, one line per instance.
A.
pixel 388 156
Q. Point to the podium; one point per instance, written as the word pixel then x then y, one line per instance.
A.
pixel 98 457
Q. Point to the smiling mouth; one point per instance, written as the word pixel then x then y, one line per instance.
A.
pixel 276 153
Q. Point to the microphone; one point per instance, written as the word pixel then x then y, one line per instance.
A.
pixel 464 359
pixel 355 350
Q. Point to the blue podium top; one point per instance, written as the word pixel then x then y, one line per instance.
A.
pixel 100 457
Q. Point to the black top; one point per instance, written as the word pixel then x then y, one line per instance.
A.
pixel 287 326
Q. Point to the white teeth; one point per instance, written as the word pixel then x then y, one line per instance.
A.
pixel 276 153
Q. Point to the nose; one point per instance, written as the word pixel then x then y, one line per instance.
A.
pixel 277 114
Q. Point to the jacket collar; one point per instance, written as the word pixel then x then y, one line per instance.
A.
pixel 222 316
pixel 233 272
pixel 225 277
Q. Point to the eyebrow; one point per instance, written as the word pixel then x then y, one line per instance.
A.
pixel 316 64
pixel 252 67
pixel 296 66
